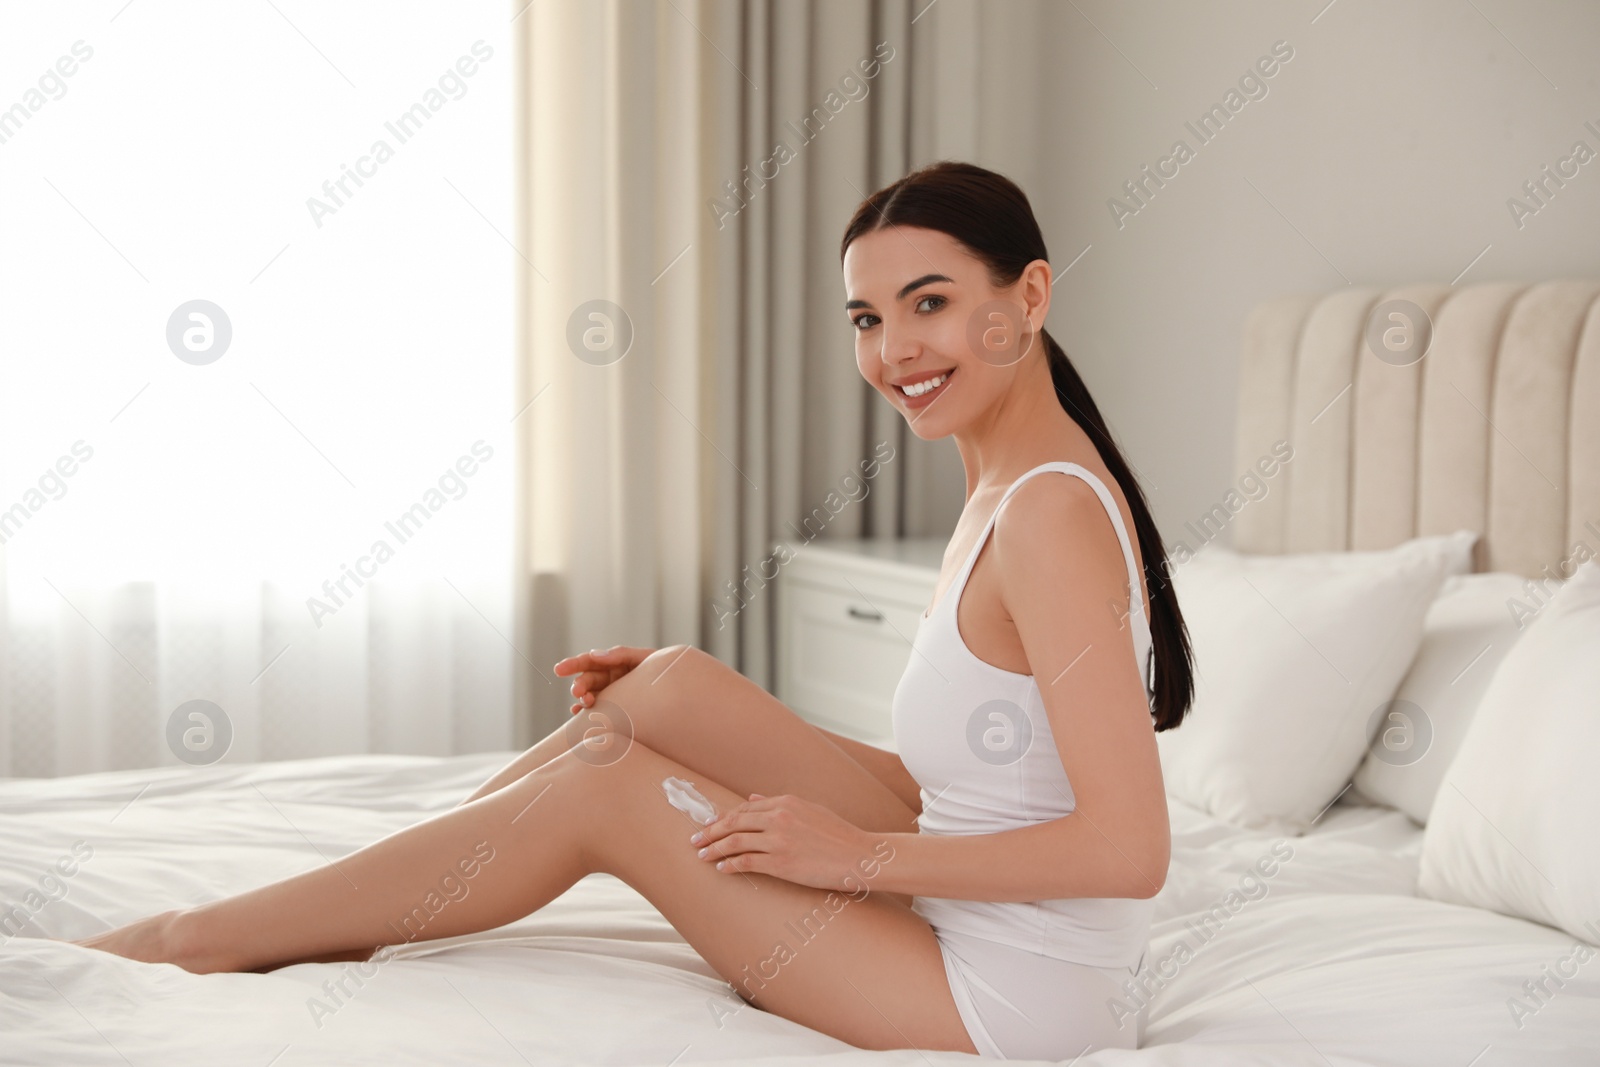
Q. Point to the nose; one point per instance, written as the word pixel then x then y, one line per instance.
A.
pixel 900 345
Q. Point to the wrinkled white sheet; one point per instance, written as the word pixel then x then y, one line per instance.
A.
pixel 1328 960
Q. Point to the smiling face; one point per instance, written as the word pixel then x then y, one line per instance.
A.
pixel 933 333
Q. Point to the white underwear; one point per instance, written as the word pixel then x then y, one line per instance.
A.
pixel 1017 1004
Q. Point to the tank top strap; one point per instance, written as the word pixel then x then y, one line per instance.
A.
pixel 1135 586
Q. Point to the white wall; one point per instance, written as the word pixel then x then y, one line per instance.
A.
pixel 1383 153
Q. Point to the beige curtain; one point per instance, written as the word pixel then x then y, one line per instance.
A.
pixel 657 484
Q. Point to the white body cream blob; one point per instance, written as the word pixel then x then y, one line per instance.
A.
pixel 687 799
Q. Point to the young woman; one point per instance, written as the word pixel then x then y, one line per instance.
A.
pixel 986 890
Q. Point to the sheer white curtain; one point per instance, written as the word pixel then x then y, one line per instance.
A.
pixel 258 300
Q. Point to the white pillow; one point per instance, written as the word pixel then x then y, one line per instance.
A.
pixel 1513 828
pixel 1292 653
pixel 1468 630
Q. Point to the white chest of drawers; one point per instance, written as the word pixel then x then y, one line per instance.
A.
pixel 847 612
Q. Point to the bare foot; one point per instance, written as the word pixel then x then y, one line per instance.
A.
pixel 172 937
pixel 148 940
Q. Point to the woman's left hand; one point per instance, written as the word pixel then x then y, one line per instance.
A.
pixel 794 839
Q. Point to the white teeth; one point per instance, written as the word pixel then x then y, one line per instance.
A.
pixel 924 387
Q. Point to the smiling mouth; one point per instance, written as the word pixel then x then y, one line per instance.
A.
pixel 925 388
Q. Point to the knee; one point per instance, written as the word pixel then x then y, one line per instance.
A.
pixel 669 671
pixel 649 699
pixel 664 660
pixel 655 693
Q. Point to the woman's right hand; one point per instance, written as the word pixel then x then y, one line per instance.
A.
pixel 597 669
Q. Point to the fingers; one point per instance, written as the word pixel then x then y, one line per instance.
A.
pixel 713 830
pixel 749 816
pixel 583 661
pixel 596 669
pixel 619 655
pixel 732 845
pixel 608 663
pixel 591 682
pixel 591 678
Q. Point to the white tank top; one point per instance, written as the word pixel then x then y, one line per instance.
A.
pixel 977 740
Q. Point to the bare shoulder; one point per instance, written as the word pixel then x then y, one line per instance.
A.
pixel 1054 537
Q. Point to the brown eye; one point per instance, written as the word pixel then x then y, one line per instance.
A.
pixel 864 321
pixel 937 301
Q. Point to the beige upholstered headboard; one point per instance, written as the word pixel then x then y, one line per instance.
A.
pixel 1495 428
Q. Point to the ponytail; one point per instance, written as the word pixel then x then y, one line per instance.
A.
pixel 1170 691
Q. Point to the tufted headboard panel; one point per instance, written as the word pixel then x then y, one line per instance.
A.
pixel 1494 427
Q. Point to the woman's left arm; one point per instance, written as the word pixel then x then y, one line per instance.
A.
pixel 1062 580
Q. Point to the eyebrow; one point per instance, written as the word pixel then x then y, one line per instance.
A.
pixel 926 279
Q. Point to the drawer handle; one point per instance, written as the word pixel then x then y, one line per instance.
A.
pixel 868 616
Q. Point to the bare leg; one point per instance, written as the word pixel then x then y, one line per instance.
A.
pixel 863 967
pixel 690 706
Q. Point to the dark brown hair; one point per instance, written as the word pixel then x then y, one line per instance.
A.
pixel 989 214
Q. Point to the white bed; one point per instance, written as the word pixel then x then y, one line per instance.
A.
pixel 1312 949
pixel 1331 960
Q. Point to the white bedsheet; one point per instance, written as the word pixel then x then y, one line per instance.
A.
pixel 1331 960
